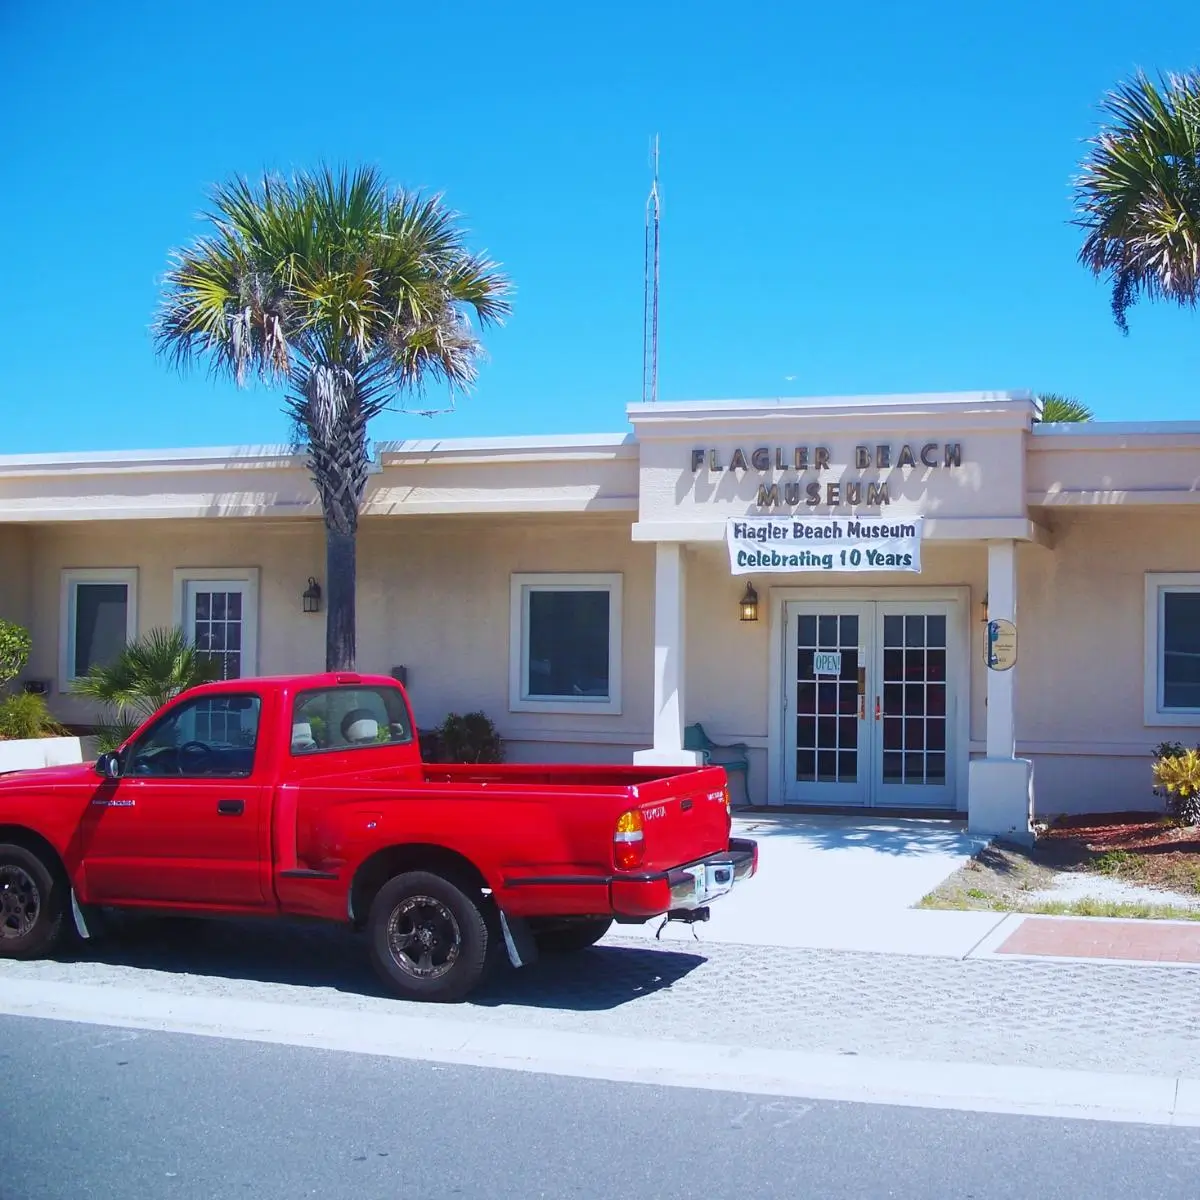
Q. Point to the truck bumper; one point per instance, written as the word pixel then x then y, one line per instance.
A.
pixel 687 888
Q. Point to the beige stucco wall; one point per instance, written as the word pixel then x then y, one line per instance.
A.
pixel 1114 465
pixel 1082 654
pixel 433 595
pixel 286 553
pixel 489 476
pixel 15 575
pixel 982 479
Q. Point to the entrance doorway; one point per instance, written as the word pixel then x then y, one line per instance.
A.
pixel 870 703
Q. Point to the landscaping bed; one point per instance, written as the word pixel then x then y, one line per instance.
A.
pixel 1132 864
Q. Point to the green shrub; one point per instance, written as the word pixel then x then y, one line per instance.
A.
pixel 147 673
pixel 1177 774
pixel 25 715
pixel 15 644
pixel 470 738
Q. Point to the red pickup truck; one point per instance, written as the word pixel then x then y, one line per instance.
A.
pixel 306 796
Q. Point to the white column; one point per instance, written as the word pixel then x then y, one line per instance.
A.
pixel 1000 786
pixel 670 588
pixel 1002 685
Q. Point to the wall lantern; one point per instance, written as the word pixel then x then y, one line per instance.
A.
pixel 312 596
pixel 983 609
pixel 748 605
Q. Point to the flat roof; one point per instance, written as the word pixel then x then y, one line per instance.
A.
pixel 285 454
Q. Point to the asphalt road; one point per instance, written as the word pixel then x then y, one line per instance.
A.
pixel 94 1113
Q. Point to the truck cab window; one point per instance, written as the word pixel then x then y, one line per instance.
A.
pixel 208 737
pixel 348 718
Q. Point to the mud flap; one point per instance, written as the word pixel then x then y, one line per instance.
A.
pixel 77 916
pixel 518 941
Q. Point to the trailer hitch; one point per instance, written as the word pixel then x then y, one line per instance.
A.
pixel 688 916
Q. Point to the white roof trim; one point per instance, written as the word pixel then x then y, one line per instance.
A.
pixel 282 455
pixel 888 400
pixel 1096 429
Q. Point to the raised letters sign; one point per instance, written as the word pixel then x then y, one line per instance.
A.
pixel 783 469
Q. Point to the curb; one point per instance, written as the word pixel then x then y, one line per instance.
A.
pixel 1086 1095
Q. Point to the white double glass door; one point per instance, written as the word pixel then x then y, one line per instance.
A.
pixel 869 703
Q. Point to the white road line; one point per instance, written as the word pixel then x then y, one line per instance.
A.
pixel 1145 1099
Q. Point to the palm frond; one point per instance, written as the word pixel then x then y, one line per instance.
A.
pixel 1137 195
pixel 1059 409
pixel 349 293
pixel 146 674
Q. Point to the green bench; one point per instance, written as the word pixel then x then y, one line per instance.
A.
pixel 733 756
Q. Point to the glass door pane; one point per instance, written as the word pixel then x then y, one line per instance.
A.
pixel 217 625
pixel 915 709
pixel 827 761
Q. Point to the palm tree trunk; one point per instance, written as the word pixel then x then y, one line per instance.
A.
pixel 335 426
pixel 340 576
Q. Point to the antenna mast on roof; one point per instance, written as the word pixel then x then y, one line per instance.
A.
pixel 650 290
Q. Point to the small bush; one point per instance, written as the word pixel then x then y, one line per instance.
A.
pixel 469 738
pixel 1177 775
pixel 1113 862
pixel 15 645
pixel 26 716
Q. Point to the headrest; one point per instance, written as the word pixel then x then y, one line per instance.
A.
pixel 302 738
pixel 359 725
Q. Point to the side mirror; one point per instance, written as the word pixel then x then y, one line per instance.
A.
pixel 108 765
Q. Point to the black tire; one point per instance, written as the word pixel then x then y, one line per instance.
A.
pixel 33 904
pixel 420 913
pixel 572 936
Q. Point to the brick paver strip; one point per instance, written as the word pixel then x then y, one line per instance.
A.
pixel 1040 1012
pixel 1143 941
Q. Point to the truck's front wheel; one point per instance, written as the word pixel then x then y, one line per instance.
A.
pixel 430 937
pixel 33 904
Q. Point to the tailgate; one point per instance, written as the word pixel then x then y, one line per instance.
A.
pixel 687 825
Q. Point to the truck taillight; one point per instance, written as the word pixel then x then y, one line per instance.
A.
pixel 629 841
pixel 728 809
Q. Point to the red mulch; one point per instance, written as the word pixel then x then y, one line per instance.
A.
pixel 1168 854
pixel 1132 831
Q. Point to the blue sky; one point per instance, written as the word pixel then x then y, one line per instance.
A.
pixel 857 198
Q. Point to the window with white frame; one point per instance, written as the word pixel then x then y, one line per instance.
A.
pixel 218 611
pixel 565 643
pixel 98 618
pixel 1172 682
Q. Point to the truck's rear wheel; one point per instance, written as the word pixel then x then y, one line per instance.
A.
pixel 33 904
pixel 430 937
pixel 571 936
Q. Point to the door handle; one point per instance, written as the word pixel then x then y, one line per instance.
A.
pixel 877 708
pixel 231 808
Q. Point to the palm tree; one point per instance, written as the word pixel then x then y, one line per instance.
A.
pixel 1057 408
pixel 346 292
pixel 1138 193
pixel 145 675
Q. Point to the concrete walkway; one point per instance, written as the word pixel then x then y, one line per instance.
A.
pixel 850 883
pixel 843 883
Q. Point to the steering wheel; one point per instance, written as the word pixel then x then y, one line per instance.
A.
pixel 201 749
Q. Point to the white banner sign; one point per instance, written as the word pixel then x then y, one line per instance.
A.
pixel 826 544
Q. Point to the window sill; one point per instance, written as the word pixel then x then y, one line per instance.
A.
pixel 558 704
pixel 1171 720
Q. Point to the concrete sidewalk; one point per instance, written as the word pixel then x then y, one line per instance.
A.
pixel 843 883
pixel 851 883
